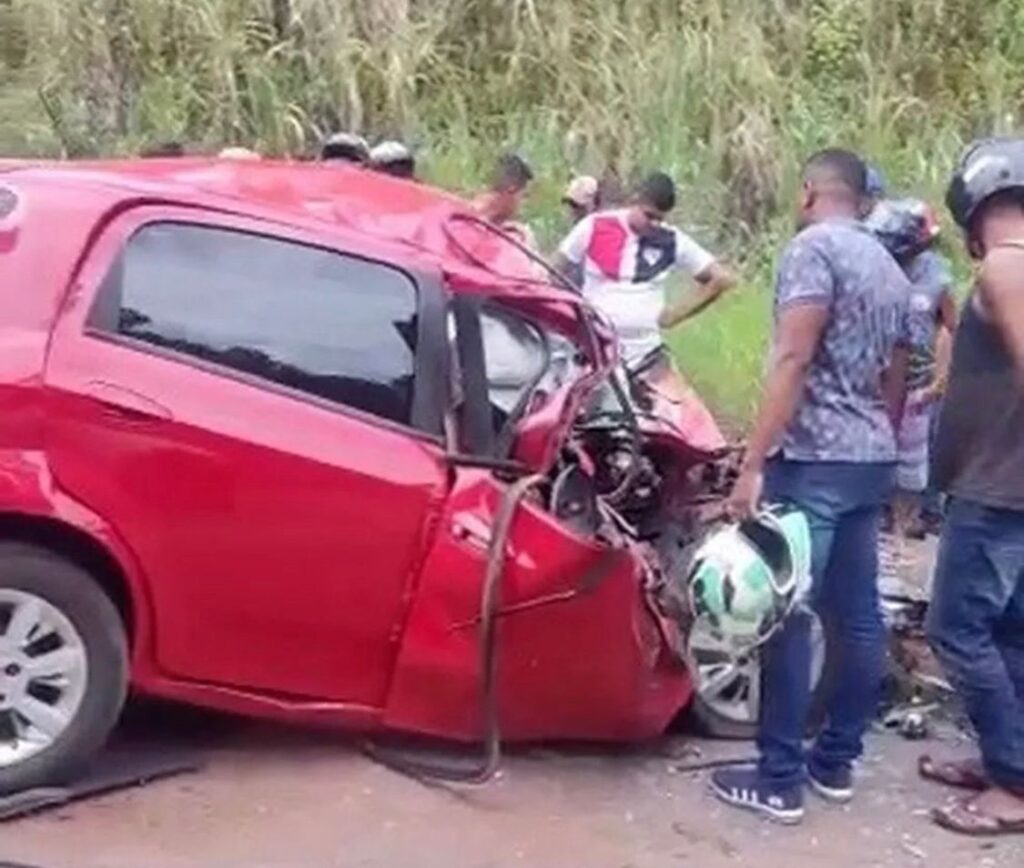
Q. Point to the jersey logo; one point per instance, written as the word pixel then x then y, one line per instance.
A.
pixel 656 253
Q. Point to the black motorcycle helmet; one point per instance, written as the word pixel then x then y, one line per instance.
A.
pixel 906 227
pixel 988 166
pixel 346 148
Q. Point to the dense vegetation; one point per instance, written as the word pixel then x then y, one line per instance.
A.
pixel 725 94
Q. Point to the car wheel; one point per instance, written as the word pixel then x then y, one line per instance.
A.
pixel 63 668
pixel 727 699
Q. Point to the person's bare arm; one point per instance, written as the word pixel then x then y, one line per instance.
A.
pixel 798 334
pixel 572 252
pixel 894 385
pixel 943 346
pixel 1001 285
pixel 708 286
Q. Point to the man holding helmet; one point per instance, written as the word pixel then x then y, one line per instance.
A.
pixel 976 617
pixel 823 443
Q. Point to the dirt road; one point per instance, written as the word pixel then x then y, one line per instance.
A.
pixel 274 798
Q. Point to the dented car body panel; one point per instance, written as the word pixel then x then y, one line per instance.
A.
pixel 280 554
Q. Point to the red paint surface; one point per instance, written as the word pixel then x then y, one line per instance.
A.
pixel 678 416
pixel 281 558
pixel 593 666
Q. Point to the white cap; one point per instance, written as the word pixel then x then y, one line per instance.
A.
pixel 390 152
pixel 582 191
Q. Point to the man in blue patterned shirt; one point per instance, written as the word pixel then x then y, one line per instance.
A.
pixel 823 442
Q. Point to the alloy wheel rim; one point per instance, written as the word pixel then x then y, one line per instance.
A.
pixel 730 685
pixel 43 674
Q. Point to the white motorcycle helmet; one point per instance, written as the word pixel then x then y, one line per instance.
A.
pixel 747 577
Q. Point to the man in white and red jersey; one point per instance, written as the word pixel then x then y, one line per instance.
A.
pixel 626 254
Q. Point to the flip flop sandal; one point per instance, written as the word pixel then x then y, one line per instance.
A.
pixel 964 818
pixel 952 774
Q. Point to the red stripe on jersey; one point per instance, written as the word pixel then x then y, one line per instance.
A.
pixel 607 243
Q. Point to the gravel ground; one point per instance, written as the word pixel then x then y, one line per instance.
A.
pixel 272 797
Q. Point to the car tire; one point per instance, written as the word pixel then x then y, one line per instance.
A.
pixel 708 720
pixel 84 688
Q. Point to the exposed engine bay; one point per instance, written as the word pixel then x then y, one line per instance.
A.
pixel 584 487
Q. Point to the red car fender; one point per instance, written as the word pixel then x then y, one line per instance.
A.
pixel 678 418
pixel 581 654
pixel 28 492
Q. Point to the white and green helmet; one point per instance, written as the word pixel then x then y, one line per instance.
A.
pixel 747 577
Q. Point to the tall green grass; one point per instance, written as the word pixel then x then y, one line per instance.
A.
pixel 727 95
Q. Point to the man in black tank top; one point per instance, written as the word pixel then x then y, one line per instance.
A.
pixel 976 619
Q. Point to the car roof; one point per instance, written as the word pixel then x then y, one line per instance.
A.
pixel 383 213
pixel 403 222
pixel 273 183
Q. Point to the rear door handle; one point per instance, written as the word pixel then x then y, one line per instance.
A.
pixel 126 404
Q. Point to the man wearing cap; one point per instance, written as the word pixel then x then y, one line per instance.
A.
pixel 582 197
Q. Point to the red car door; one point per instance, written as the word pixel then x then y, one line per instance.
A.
pixel 254 412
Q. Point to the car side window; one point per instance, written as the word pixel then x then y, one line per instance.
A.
pixel 332 326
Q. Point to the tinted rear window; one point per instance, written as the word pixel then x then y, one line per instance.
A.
pixel 332 326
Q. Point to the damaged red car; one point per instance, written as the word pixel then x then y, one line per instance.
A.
pixel 314 444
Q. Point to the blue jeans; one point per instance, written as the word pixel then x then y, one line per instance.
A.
pixel 976 628
pixel 843 504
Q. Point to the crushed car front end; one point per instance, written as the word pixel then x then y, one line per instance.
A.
pixel 552 583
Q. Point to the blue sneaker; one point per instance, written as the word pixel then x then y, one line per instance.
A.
pixel 744 788
pixel 833 785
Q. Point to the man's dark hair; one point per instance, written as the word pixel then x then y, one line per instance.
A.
pixel 838 166
pixel 164 149
pixel 512 174
pixel 658 191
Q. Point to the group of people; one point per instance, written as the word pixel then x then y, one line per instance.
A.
pixel 388 156
pixel 862 355
pixel 851 320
